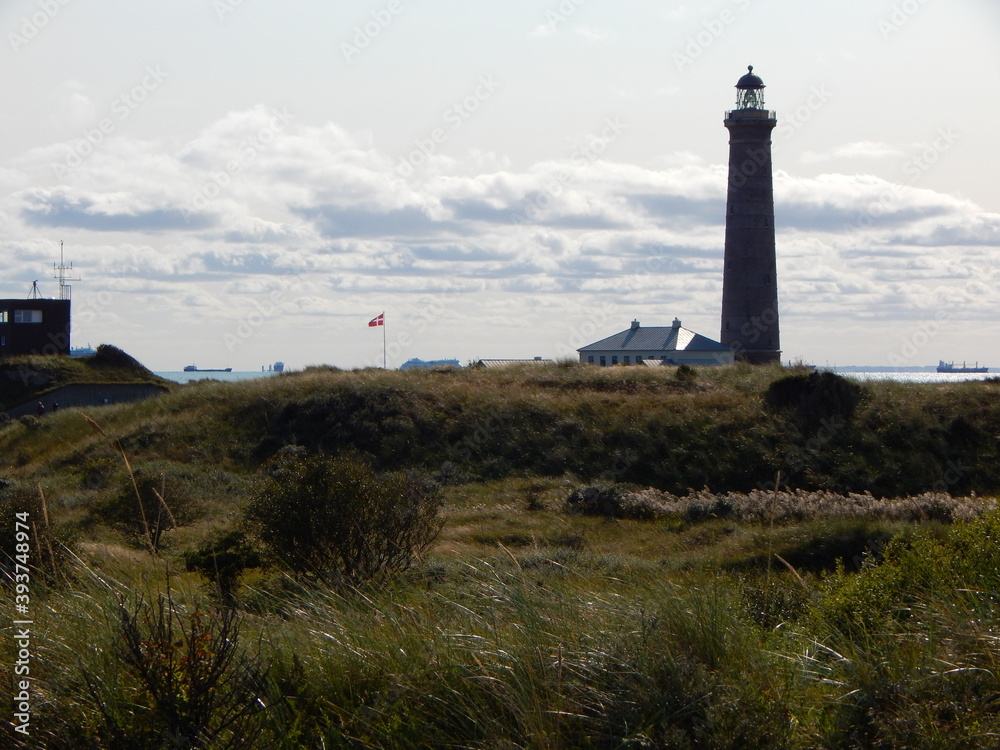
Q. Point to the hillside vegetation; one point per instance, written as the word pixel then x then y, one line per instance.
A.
pixel 726 429
pixel 540 557
pixel 25 378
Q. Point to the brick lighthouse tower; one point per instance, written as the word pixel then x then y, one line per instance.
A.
pixel 749 282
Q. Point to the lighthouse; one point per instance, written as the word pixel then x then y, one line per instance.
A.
pixel 749 282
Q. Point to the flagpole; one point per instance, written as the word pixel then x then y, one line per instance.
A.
pixel 384 365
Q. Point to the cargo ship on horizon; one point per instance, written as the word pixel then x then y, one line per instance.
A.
pixel 195 368
pixel 951 367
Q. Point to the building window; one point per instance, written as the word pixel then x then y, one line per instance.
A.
pixel 3 316
pixel 27 316
pixel 590 360
pixel 604 361
pixel 638 359
pixel 614 359
pixel 628 359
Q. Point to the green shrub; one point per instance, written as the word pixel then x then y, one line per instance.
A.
pixel 815 397
pixel 686 374
pixel 611 501
pixel 197 689
pixel 113 357
pixel 149 502
pixel 340 520
pixel 222 560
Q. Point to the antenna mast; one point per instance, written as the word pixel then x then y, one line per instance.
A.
pixel 65 290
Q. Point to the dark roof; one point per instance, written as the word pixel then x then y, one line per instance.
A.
pixel 656 339
pixel 750 81
pixel 509 362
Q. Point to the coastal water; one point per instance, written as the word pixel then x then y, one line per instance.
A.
pixel 912 375
pixel 909 375
pixel 227 377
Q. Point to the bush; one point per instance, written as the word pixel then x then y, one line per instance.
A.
pixel 148 503
pixel 816 396
pixel 222 560
pixel 611 501
pixel 197 688
pixel 338 519
pixel 111 356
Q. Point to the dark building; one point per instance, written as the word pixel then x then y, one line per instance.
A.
pixel 34 326
pixel 750 285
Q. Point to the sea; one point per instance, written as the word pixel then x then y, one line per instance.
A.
pixel 856 372
pixel 911 374
pixel 226 377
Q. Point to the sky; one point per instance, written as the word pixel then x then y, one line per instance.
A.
pixel 238 182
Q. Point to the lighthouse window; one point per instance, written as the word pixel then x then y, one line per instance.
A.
pixel 27 316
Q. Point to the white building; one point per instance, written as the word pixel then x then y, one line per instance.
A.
pixel 659 345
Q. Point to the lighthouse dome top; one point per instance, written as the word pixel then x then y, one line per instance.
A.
pixel 749 92
pixel 750 81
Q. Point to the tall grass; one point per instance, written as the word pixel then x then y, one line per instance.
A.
pixel 818 615
pixel 533 651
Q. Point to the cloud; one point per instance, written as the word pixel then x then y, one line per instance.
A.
pixel 855 150
pixel 105 213
pixel 321 212
pixel 75 108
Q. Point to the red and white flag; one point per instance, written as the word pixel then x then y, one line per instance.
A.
pixel 379 321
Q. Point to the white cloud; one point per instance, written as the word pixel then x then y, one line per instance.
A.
pixel 320 213
pixel 855 150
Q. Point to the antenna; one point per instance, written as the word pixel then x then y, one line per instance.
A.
pixel 34 293
pixel 65 290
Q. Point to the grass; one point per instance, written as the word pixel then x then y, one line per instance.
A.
pixel 853 607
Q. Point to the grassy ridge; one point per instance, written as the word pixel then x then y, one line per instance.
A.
pixel 25 378
pixel 634 425
pixel 629 617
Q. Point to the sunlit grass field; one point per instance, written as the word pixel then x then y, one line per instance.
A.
pixel 626 558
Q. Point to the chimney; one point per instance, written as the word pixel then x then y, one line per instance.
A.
pixel 635 324
pixel 677 323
